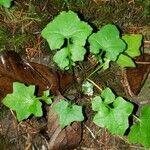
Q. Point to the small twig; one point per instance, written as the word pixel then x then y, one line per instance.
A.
pixel 45 5
pixel 97 69
pixel 28 146
pixel 146 44
pixel 92 134
pixel 126 85
pixel 122 138
pixel 143 62
pixel 25 26
pixel 136 118
pixel 46 142
pixel 95 85
pixel 137 147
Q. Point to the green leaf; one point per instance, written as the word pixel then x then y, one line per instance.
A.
pixel 115 117
pixel 61 58
pixel 67 25
pixel 108 95
pixel 68 113
pixel 77 52
pixel 125 61
pixel 5 3
pixel 106 64
pixel 35 108
pixel 24 102
pixel 46 97
pixel 97 104
pixel 87 88
pixel 140 132
pixel 133 44
pixel 108 40
pixel 67 32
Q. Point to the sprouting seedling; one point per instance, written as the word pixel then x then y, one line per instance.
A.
pixel 68 112
pixel 67 34
pixel 24 102
pixel 108 45
pixel 112 112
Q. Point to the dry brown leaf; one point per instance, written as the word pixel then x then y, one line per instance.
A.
pixel 13 68
pixel 134 78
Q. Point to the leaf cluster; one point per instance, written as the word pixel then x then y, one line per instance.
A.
pixel 68 28
pixel 68 35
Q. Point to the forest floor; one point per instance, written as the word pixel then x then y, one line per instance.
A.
pixel 20 31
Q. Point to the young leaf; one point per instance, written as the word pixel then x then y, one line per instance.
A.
pixel 108 40
pixel 46 97
pixel 5 3
pixel 61 58
pixel 125 61
pixel 108 95
pixel 66 31
pixel 97 104
pixel 106 64
pixel 140 132
pixel 133 44
pixel 24 102
pixel 68 113
pixel 77 52
pixel 115 118
pixel 87 88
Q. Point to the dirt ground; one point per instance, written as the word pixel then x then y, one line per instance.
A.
pixel 20 31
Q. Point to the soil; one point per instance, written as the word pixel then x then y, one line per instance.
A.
pixel 20 31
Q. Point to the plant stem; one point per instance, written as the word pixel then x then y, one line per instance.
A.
pixel 97 69
pixel 69 55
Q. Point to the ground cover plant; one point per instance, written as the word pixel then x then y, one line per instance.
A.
pixel 71 39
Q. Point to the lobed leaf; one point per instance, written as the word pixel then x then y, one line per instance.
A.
pixel 68 33
pixel 140 132
pixel 125 61
pixel 77 52
pixel 66 25
pixel 68 113
pixel 24 102
pixel 108 40
pixel 115 117
pixel 108 95
pixel 97 104
pixel 61 58
pixel 133 44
